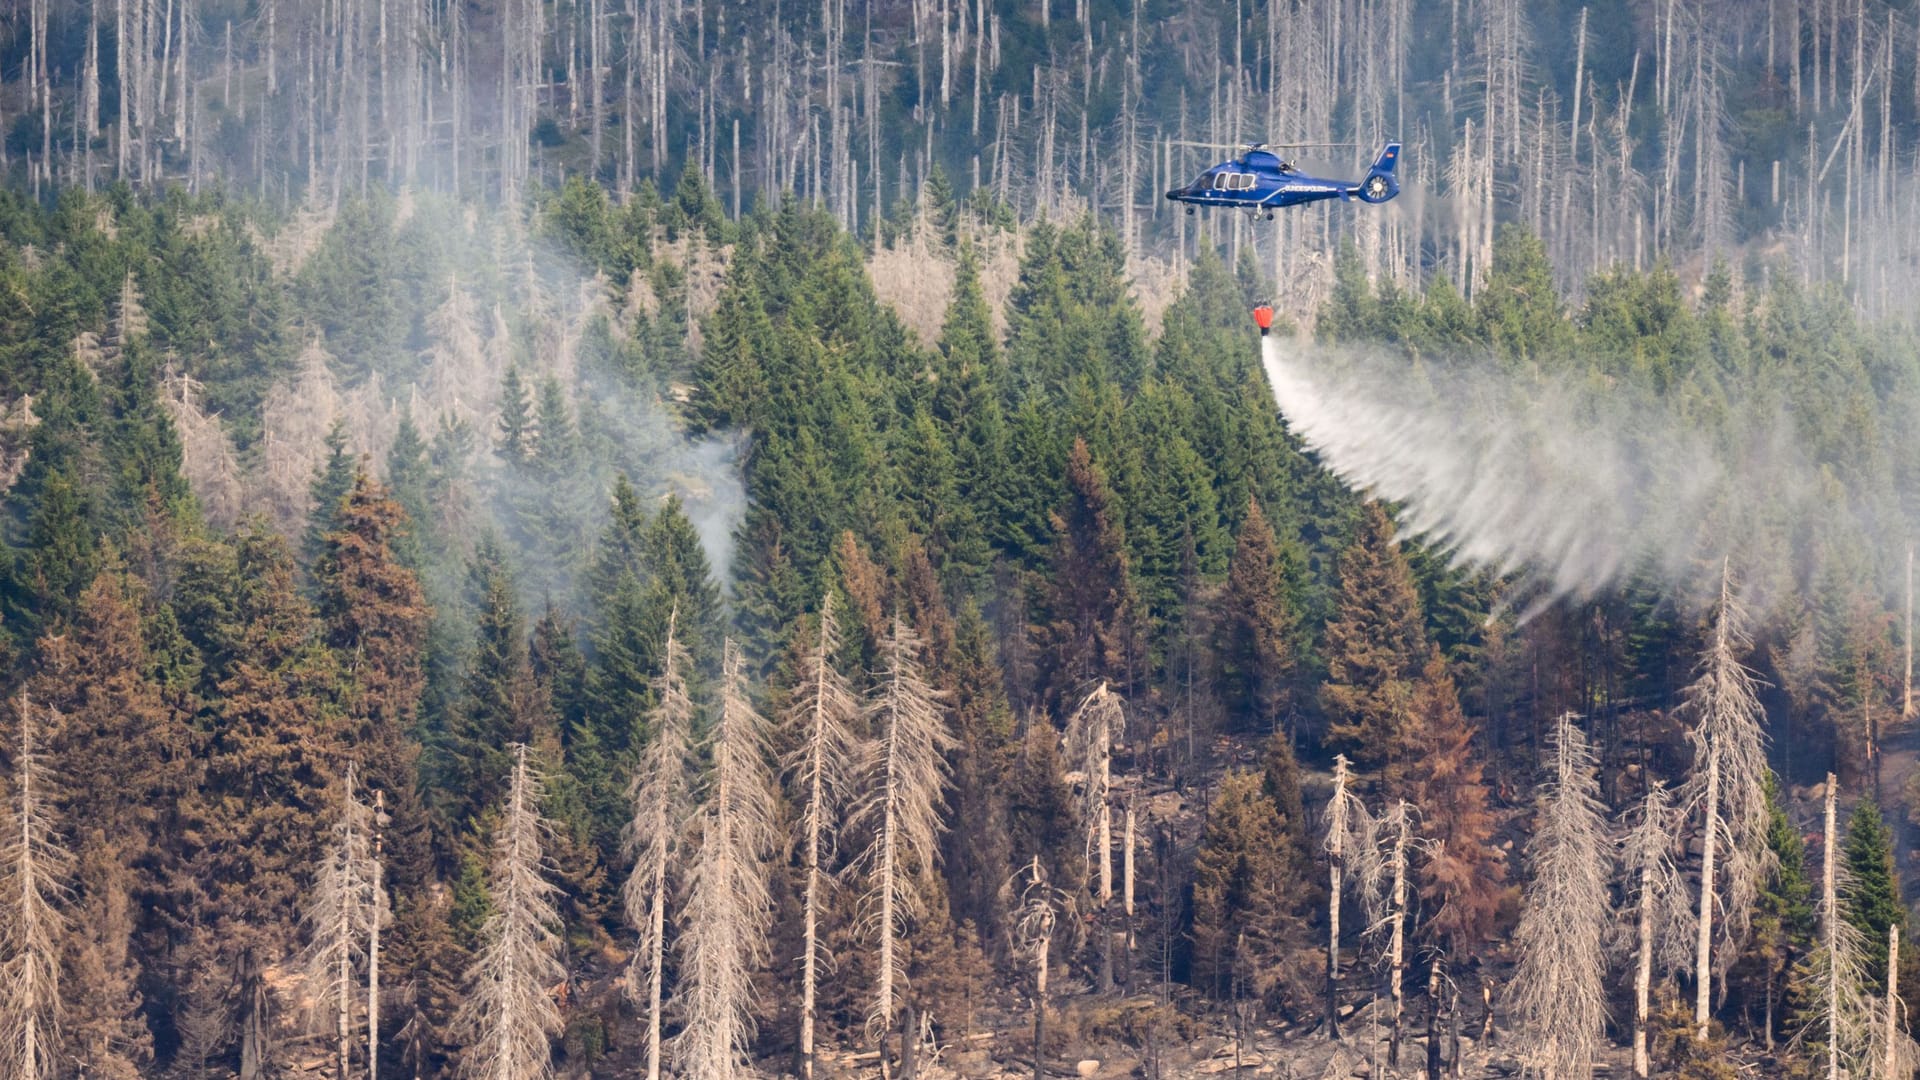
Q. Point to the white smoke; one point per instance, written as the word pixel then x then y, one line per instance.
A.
pixel 1574 486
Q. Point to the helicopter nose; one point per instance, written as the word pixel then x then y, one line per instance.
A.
pixel 1175 193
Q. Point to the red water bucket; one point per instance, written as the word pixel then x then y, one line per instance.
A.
pixel 1263 317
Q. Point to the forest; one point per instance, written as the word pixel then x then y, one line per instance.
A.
pixel 527 550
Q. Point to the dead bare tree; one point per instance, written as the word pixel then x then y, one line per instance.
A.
pixel 344 909
pixel 1657 900
pixel 723 936
pixel 818 722
pixel 34 873
pixel 1037 908
pixel 1350 832
pixel 509 1016
pixel 1396 828
pixel 1846 1014
pixel 659 796
pixel 1728 786
pixel 906 779
pixel 1091 731
pixel 1559 992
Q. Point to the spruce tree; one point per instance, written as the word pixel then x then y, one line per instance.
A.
pixel 1280 781
pixel 1257 626
pixel 905 784
pixel 410 483
pixel 682 578
pixel 1729 785
pixel 659 798
pixel 1461 874
pixel 375 618
pixel 1872 901
pixel 1374 646
pixel 254 820
pixel 977 857
pixel 817 725
pixel 331 482
pixel 1559 990
pixel 1090 632
pixel 1783 917
pixel 517 432
pixel 124 748
pixel 497 707
pixel 1241 897
pixel 345 905
pixel 729 906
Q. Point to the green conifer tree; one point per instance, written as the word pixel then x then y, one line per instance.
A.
pixel 1244 916
pixel 1375 645
pixel 1257 628
pixel 1091 610
pixel 1872 902
pixel 331 482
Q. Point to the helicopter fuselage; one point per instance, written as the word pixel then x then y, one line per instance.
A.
pixel 1259 181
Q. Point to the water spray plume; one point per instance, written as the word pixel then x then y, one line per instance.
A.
pixel 1572 488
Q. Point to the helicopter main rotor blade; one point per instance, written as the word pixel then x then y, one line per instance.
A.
pixel 1262 145
pixel 1205 145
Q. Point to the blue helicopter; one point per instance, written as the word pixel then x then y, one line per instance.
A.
pixel 1260 181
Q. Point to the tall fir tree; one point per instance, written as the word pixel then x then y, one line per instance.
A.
pixel 255 816
pixel 1435 767
pixel 1243 917
pixel 1375 646
pixel 126 750
pixel 1257 626
pixel 509 1016
pixel 332 480
pixel 1872 901
pixel 1783 919
pixel 1090 628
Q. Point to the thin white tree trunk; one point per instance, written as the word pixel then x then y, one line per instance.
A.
pixel 1703 942
pixel 1892 1032
pixel 1397 929
pixel 1829 893
pixel 1643 976
pixel 819 718
pixel 659 796
pixel 373 942
pixel 907 771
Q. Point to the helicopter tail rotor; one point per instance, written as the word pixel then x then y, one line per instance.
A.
pixel 1380 184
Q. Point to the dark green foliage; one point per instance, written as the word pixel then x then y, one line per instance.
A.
pixel 1872 901
pixel 331 482
pixel 346 289
pixel 1246 918
pixel 1783 920
pixel 1375 647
